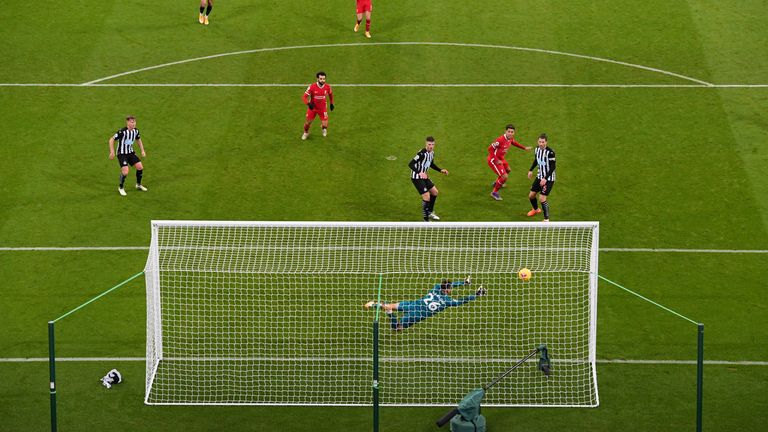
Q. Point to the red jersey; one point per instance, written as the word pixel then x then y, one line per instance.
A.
pixel 498 149
pixel 318 95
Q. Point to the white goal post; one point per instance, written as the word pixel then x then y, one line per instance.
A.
pixel 271 313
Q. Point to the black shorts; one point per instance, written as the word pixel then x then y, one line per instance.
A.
pixel 422 185
pixel 128 159
pixel 536 187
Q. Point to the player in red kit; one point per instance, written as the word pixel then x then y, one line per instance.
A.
pixel 315 98
pixel 205 10
pixel 364 7
pixel 497 152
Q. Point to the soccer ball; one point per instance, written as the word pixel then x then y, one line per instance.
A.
pixel 524 274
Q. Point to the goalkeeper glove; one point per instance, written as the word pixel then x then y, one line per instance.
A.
pixel 331 107
pixel 112 377
pixel 468 280
pixel 311 106
pixel 480 291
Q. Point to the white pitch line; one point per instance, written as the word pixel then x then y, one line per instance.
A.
pixel 470 85
pixel 72 249
pixel 736 251
pixel 367 44
pixel 68 359
pixel 688 362
pixel 742 85
pixel 117 248
pixel 601 361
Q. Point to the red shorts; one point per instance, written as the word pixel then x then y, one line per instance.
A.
pixel 363 6
pixel 312 113
pixel 501 168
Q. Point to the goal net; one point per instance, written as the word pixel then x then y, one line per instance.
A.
pixel 271 313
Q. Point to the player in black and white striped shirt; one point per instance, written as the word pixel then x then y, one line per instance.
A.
pixel 544 158
pixel 124 138
pixel 424 160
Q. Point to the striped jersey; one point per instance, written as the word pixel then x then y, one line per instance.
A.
pixel 545 159
pixel 124 138
pixel 423 161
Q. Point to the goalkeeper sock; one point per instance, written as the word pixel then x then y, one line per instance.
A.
pixel 367 25
pixel 208 11
pixel 139 174
pixel 545 207
pixel 432 203
pixel 534 203
pixel 425 209
pixel 122 181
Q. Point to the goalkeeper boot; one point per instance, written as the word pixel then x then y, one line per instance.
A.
pixel 141 188
pixel 533 212
pixel 122 191
pixel 200 18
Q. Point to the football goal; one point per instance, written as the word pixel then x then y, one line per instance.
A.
pixel 273 313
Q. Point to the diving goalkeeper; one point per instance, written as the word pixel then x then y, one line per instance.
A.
pixel 437 300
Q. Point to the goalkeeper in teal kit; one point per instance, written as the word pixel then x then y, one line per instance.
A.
pixel 435 301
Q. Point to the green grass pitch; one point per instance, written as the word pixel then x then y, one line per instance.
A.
pixel 666 155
